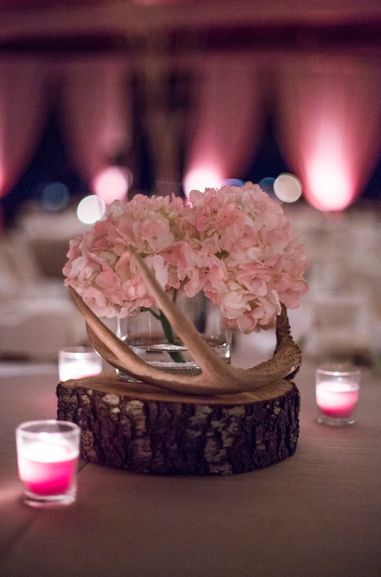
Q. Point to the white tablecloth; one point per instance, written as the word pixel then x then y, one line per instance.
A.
pixel 317 514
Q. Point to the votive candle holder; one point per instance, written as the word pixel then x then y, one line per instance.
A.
pixel 337 389
pixel 78 362
pixel 47 457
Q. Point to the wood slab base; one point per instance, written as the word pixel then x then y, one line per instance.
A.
pixel 144 429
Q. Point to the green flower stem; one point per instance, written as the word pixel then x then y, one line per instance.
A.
pixel 176 356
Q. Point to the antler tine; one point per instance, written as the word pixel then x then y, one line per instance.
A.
pixel 102 349
pixel 106 338
pixel 112 350
pixel 287 357
pixel 208 361
pixel 106 342
pixel 217 377
pixel 285 361
pixel 286 344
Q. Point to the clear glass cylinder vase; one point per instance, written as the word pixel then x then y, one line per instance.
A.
pixel 148 335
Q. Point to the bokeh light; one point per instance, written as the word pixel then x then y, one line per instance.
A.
pixel 287 188
pixel 330 185
pixel 201 178
pixel 55 196
pixel 90 209
pixel 112 183
pixel 267 185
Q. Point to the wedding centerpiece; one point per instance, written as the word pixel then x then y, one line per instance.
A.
pixel 233 247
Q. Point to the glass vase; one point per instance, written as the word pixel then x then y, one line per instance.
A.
pixel 150 336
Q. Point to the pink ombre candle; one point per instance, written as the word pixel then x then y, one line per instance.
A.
pixel 337 394
pixel 47 455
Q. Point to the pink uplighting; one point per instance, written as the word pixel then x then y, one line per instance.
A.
pixel 328 183
pixel 226 127
pixel 202 177
pixel 111 184
pixel 328 127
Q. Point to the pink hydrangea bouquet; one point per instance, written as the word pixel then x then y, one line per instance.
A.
pixel 234 245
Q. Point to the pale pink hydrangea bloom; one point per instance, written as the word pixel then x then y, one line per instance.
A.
pixel 99 267
pixel 244 255
pixel 234 244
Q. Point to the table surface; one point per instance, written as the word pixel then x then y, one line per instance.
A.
pixel 317 513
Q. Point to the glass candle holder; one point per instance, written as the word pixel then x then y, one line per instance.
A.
pixel 47 457
pixel 337 389
pixel 78 362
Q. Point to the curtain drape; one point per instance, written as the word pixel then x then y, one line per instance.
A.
pixel 22 108
pixel 96 112
pixel 329 115
pixel 329 125
pixel 227 123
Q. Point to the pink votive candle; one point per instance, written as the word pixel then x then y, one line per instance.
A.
pixel 337 394
pixel 47 456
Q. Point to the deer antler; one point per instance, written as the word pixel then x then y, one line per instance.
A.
pixel 216 377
